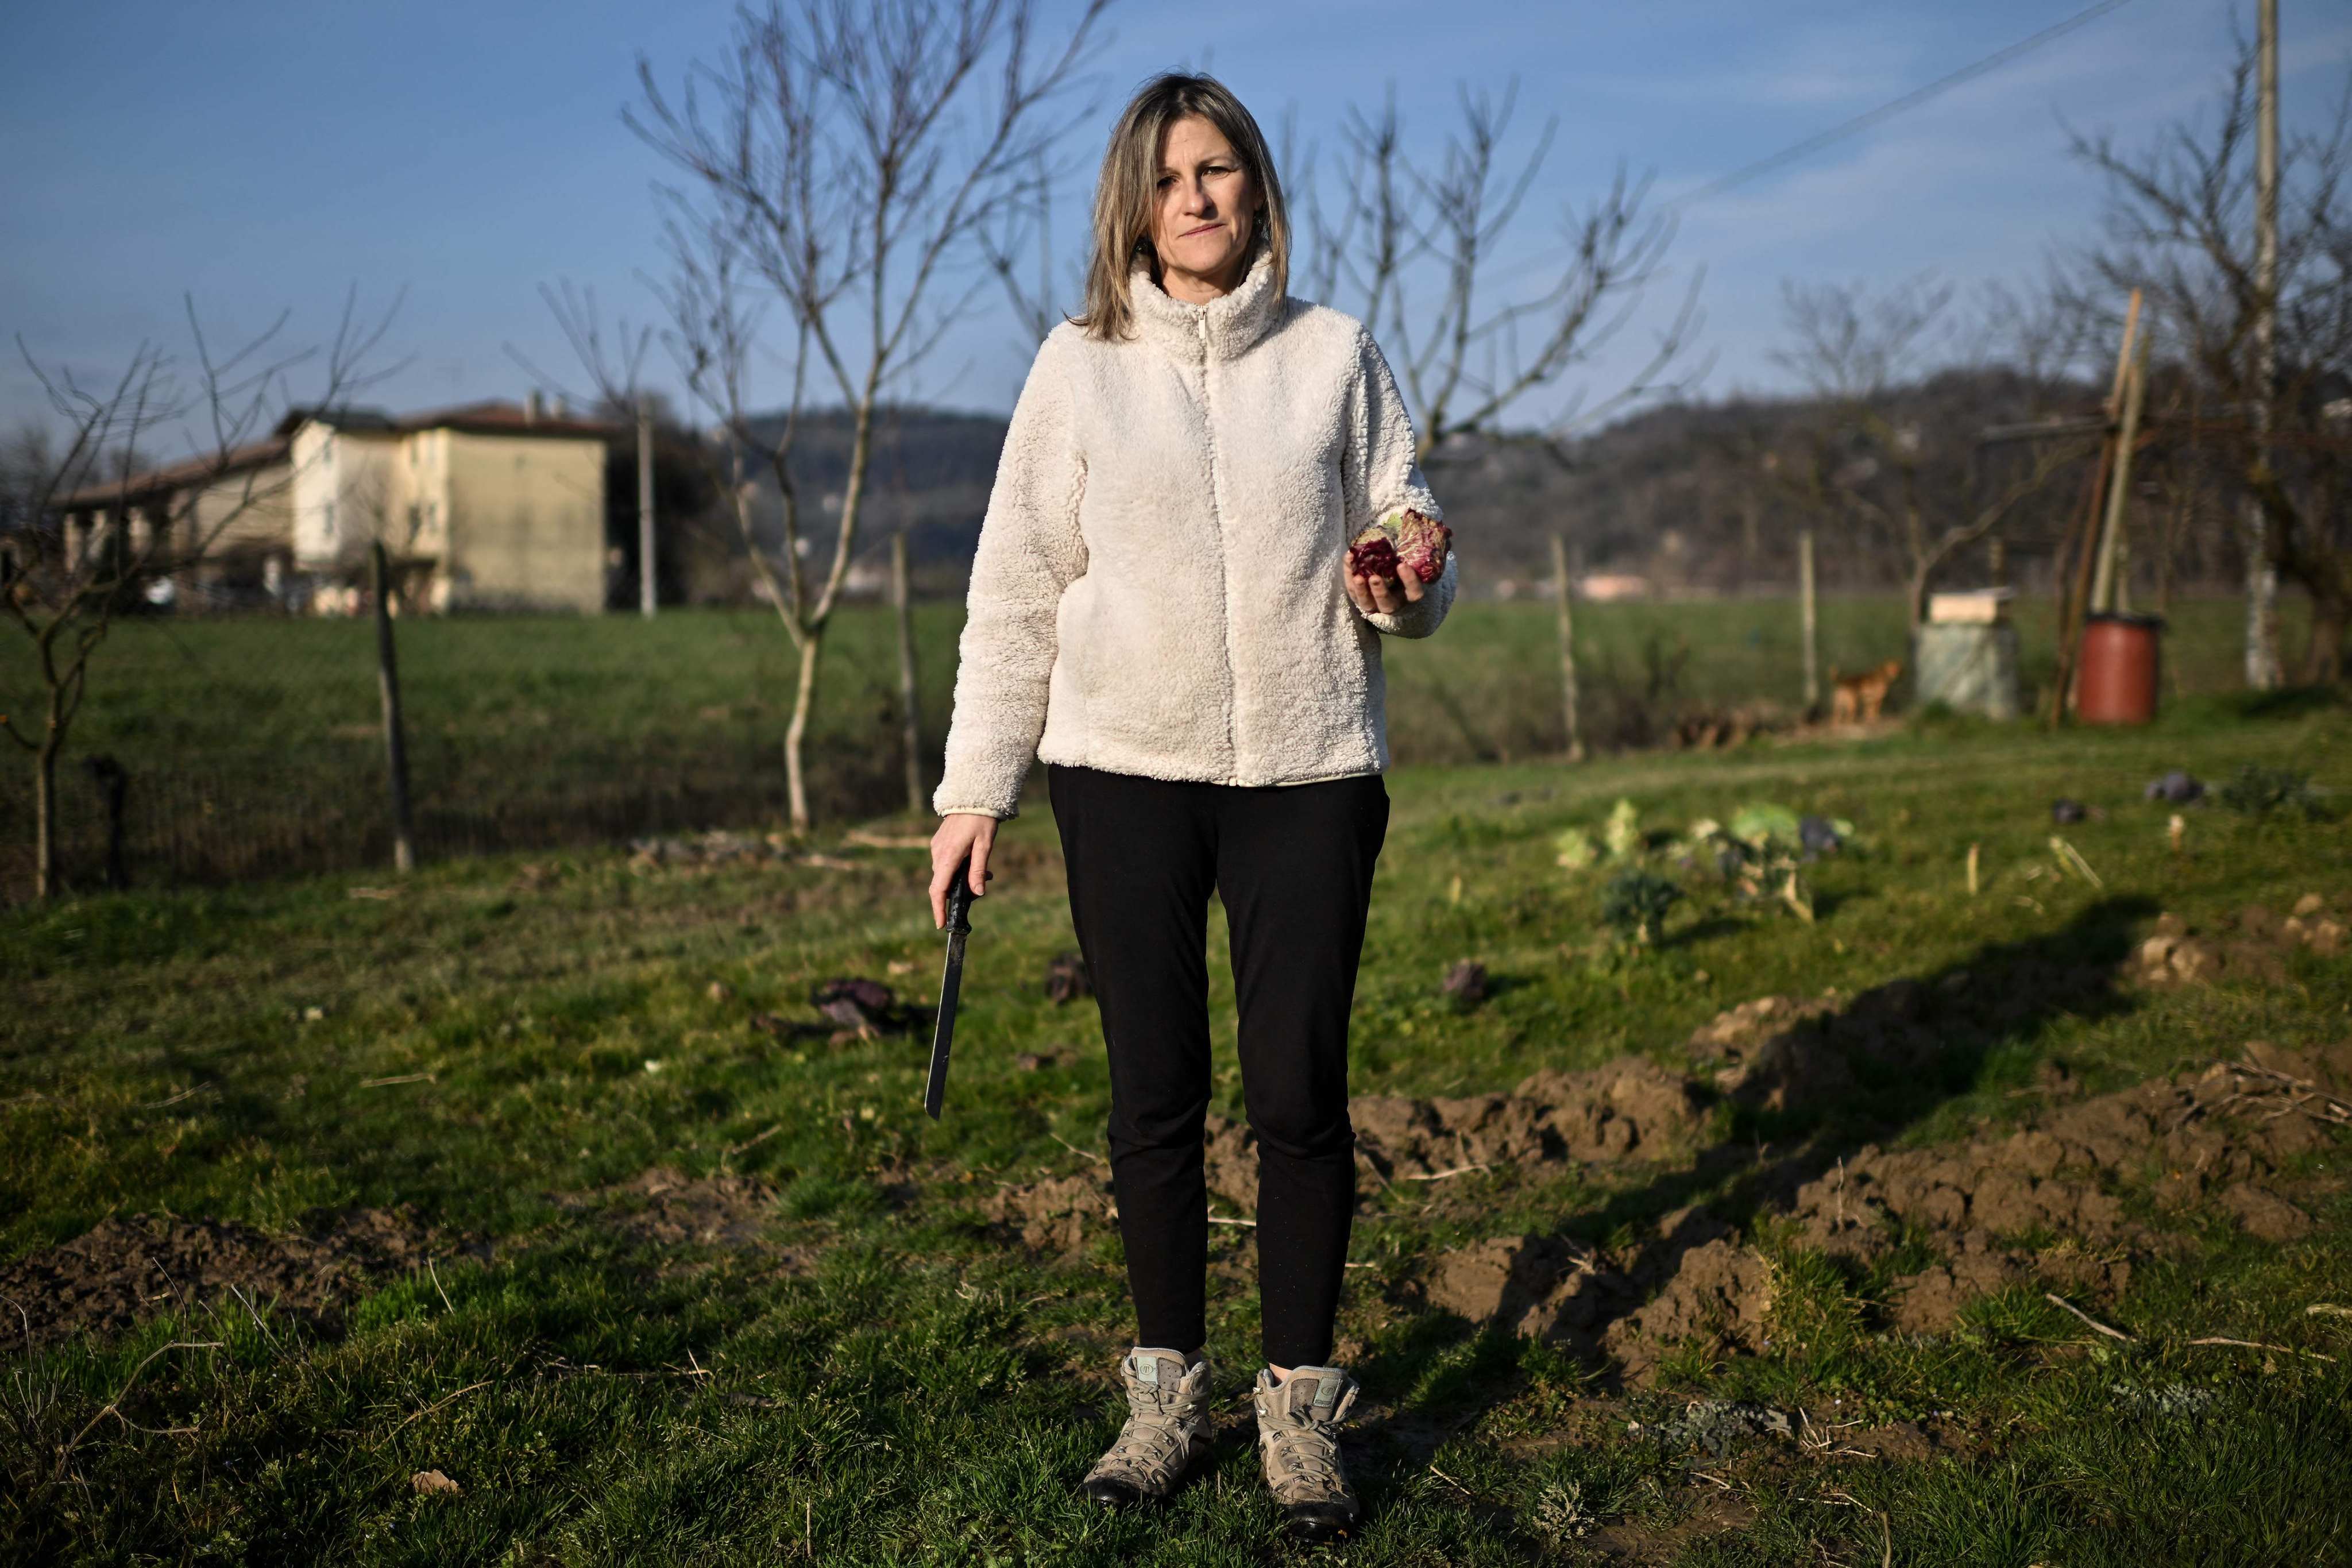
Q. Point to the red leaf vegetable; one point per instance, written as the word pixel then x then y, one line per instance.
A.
pixel 1403 539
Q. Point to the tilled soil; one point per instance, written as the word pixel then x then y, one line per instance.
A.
pixel 1630 1108
pixel 666 1207
pixel 2224 1132
pixel 2253 944
pixel 2044 1202
pixel 127 1269
pixel 686 1224
pixel 2227 1133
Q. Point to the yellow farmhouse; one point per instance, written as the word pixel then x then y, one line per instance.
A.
pixel 492 506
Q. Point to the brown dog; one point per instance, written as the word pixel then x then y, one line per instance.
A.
pixel 1859 698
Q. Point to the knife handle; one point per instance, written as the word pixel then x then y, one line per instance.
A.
pixel 959 897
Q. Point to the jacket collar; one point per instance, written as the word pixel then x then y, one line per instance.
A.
pixel 1233 321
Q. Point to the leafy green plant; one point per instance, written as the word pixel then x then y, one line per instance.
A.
pixel 2256 791
pixel 1761 855
pixel 1623 832
pixel 1575 848
pixel 1635 902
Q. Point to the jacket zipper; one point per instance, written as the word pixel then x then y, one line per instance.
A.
pixel 1224 564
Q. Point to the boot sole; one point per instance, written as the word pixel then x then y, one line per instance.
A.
pixel 1120 1498
pixel 1311 1528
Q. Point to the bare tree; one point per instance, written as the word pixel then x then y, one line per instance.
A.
pixel 615 370
pixel 2179 226
pixel 838 158
pixel 1868 462
pixel 1411 244
pixel 1017 239
pixel 66 592
pixel 29 461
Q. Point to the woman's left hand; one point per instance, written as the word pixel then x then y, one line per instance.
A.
pixel 1384 595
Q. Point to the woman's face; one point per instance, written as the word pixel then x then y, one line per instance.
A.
pixel 1204 213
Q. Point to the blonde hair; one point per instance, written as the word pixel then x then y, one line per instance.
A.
pixel 1127 192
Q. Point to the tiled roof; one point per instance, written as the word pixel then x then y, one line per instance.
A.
pixel 494 417
pixel 208 466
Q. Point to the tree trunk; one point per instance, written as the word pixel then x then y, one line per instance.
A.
pixel 2322 657
pixel 812 652
pixel 909 718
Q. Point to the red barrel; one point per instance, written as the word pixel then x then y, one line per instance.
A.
pixel 2117 685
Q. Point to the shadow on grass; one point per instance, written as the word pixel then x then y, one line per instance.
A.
pixel 2293 702
pixel 1707 929
pixel 1819 1091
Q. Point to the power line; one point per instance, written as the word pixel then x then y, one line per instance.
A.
pixel 1886 111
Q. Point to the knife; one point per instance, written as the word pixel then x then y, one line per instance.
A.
pixel 959 927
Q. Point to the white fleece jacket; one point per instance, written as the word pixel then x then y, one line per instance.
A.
pixel 1157 588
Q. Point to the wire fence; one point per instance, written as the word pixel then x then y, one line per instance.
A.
pixel 194 826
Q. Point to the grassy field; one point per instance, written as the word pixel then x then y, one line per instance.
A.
pixel 254 746
pixel 526 1179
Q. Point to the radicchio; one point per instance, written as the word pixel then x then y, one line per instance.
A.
pixel 1404 538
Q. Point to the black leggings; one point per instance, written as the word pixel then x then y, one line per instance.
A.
pixel 1294 866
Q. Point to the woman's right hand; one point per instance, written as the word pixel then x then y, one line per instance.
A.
pixel 962 834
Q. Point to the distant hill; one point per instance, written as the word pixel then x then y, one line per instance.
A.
pixel 1675 493
pixel 931 473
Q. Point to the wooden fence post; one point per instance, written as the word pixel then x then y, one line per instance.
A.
pixel 114 783
pixel 647 582
pixel 1568 693
pixel 1811 612
pixel 902 598
pixel 2112 549
pixel 395 740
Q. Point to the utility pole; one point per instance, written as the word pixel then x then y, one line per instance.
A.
pixel 2262 577
pixel 645 504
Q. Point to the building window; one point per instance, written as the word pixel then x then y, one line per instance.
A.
pixel 330 521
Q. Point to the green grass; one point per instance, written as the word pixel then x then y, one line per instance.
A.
pixel 568 690
pixel 919 1392
pixel 254 746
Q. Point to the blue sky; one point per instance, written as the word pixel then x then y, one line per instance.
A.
pixel 268 157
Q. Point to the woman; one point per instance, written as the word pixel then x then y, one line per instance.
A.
pixel 1163 611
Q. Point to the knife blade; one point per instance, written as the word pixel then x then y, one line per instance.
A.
pixel 935 1092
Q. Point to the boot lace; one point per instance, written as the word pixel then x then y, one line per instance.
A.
pixel 1301 1449
pixel 1155 1442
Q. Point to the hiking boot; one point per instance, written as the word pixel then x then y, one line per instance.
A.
pixel 1297 1437
pixel 1166 1430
